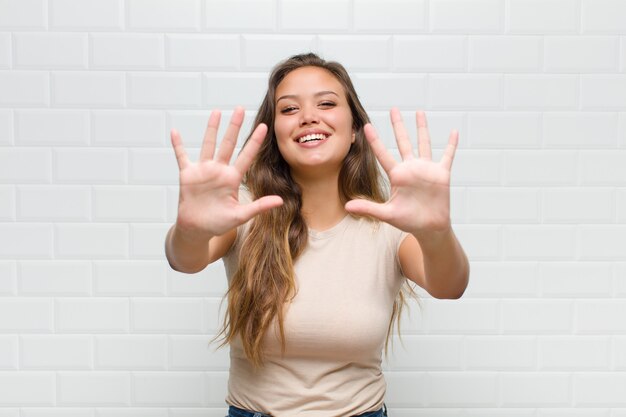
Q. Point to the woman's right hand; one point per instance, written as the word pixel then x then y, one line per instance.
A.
pixel 208 203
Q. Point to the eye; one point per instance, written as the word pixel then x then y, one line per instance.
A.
pixel 327 104
pixel 288 109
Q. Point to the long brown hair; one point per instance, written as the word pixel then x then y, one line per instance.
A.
pixel 264 280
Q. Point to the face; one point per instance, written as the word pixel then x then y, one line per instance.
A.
pixel 313 122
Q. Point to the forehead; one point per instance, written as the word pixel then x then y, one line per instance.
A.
pixel 308 81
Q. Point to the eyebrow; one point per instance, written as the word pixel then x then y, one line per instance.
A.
pixel 321 93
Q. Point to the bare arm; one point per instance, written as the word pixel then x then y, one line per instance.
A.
pixel 437 263
pixel 419 204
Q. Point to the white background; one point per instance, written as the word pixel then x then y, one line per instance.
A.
pixel 93 323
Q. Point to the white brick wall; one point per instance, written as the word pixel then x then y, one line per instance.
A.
pixel 93 322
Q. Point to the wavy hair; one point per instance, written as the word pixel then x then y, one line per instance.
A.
pixel 264 280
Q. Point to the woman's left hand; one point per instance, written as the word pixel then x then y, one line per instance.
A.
pixel 420 188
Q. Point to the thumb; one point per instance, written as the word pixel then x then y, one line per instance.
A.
pixel 367 208
pixel 258 206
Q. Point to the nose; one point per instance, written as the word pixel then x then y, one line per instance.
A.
pixel 308 115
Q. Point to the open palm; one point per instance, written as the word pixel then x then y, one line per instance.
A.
pixel 208 202
pixel 420 187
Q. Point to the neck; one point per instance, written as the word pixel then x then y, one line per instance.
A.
pixel 321 206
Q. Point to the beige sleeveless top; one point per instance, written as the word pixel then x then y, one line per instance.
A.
pixel 347 280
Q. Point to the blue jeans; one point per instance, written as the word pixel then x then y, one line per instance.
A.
pixel 238 412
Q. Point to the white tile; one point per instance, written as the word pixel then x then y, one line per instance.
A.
pixel 574 353
pixel 90 165
pixel 50 50
pixel 547 390
pixel 218 52
pixel 603 168
pixel 134 352
pixel 91 240
pixel 538 92
pixel 56 352
pixel 26 240
pixel 537 317
pixel 127 51
pixel 603 16
pixel 165 90
pixel 86 14
pixel 168 389
pixel 460 92
pixel 603 92
pixel 5 50
pixel 150 315
pixel 228 90
pixel 128 203
pixel 28 388
pixel 505 53
pixel 263 52
pixel 89 388
pixel 25 315
pixel 6 127
pixel 578 54
pixel 543 16
pixel 24 165
pixel 539 242
pixel 169 15
pixel 97 89
pixel 100 315
pixel 24 88
pixel 363 52
pixel 52 127
pixel 501 130
pixel 243 15
pixel 599 389
pixel 578 205
pixel 382 91
pixel 123 278
pixel 53 202
pixel 429 53
pixel 593 130
pixel 55 278
pixel 502 205
pixel 7 202
pixel 317 17
pixel 23 14
pixel 549 168
pixel 129 128
pixel 602 242
pixel 466 16
pixel 390 16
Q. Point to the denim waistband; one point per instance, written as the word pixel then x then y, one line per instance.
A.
pixel 238 412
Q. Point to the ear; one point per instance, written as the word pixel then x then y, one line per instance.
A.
pixel 353 136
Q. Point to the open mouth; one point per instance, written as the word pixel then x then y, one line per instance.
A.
pixel 312 137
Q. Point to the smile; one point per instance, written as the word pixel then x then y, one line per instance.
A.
pixel 312 137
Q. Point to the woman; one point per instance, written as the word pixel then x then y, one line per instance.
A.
pixel 316 255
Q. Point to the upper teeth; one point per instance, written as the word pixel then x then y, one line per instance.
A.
pixel 314 136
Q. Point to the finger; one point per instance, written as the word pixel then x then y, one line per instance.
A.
pixel 250 150
pixel 368 208
pixel 402 137
pixel 258 206
pixel 230 138
pixel 448 154
pixel 210 136
pixel 381 153
pixel 423 137
pixel 179 150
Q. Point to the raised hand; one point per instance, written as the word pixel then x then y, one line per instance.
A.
pixel 208 202
pixel 420 188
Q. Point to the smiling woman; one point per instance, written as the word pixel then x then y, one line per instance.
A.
pixel 317 255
